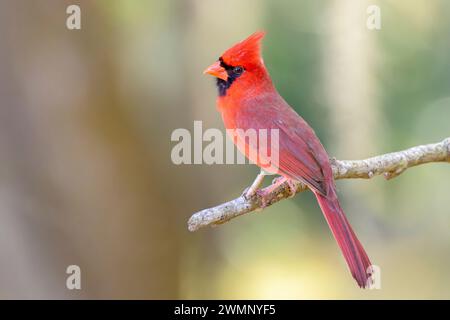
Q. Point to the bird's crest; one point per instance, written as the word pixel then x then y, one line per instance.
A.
pixel 246 52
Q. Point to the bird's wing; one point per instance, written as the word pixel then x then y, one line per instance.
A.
pixel 301 156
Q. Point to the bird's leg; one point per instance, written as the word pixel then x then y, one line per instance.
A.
pixel 279 181
pixel 250 191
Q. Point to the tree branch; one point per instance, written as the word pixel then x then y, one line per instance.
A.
pixel 390 165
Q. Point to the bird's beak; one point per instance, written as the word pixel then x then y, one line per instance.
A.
pixel 217 70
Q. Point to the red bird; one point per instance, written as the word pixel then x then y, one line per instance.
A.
pixel 247 99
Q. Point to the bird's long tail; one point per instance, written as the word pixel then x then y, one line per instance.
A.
pixel 353 251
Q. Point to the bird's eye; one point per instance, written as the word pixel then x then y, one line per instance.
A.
pixel 238 70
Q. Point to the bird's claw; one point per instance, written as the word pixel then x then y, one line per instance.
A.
pixel 259 193
pixel 292 186
pixel 247 194
pixel 265 198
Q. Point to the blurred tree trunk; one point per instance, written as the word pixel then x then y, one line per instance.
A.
pixel 349 66
pixel 78 183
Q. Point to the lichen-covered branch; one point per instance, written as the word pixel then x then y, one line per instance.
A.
pixel 390 165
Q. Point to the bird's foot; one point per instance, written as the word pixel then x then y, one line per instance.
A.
pixel 246 193
pixel 266 195
pixel 252 190
pixel 292 186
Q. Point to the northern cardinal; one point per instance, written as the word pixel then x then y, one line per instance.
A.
pixel 247 99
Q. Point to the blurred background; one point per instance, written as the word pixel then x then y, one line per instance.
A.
pixel 86 176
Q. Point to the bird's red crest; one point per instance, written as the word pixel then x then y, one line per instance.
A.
pixel 246 52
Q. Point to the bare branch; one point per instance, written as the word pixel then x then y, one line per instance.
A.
pixel 390 165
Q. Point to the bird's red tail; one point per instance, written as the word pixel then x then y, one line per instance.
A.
pixel 353 251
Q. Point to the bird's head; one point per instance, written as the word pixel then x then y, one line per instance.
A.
pixel 242 64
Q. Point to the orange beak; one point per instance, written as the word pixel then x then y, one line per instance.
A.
pixel 217 70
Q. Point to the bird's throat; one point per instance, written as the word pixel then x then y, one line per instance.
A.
pixel 223 86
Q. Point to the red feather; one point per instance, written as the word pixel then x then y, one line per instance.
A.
pixel 353 251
